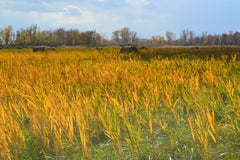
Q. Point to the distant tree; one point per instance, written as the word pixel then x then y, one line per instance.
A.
pixel 32 32
pixel 134 37
pixel 41 38
pixel 1 40
pixel 90 38
pixel 236 38
pixel 87 37
pixel 144 41
pixel 191 38
pixel 19 38
pixel 6 35
pixel 157 40
pixel 204 38
pixel 105 40
pixel 60 35
pixel 197 40
pixel 72 37
pixel 210 40
pixel 170 37
pixel 116 36
pixel 28 36
pixel 218 39
pixel 185 36
pixel 34 36
pixel 99 39
pixel 224 39
pixel 230 38
pixel 125 35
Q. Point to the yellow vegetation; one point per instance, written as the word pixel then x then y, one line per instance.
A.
pixel 81 96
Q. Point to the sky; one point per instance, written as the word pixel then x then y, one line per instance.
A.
pixel 146 17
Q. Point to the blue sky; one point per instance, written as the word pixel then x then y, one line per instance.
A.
pixel 146 17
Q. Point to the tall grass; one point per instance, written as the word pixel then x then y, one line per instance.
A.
pixel 86 104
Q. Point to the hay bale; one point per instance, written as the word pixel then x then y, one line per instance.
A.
pixel 51 48
pixel 99 48
pixel 38 48
pixel 143 48
pixel 128 49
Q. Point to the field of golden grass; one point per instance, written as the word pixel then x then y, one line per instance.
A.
pixel 89 104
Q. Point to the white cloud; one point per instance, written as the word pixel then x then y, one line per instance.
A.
pixel 83 16
pixel 103 18
pixel 70 16
pixel 72 10
pixel 3 3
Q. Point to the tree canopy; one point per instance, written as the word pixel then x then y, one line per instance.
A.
pixel 33 35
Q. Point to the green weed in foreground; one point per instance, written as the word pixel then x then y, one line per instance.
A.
pixel 104 105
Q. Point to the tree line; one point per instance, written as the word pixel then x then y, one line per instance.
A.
pixel 33 36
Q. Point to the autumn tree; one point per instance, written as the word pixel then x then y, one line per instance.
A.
pixel 1 40
pixel 90 38
pixel 236 38
pixel 72 37
pixel 170 37
pixel 42 37
pixel 229 38
pixel 191 38
pixel 20 38
pixel 124 36
pixel 134 37
pixel 184 36
pixel 60 36
pixel 211 40
pixel 116 36
pixel 6 35
pixel 157 40
pixel 34 36
pixel 32 32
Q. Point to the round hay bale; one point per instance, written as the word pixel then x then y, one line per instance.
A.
pixel 128 49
